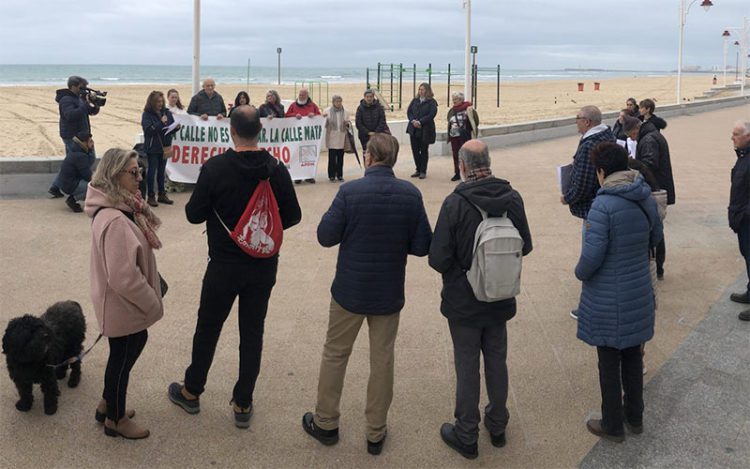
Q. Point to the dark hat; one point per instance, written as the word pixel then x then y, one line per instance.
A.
pixel 76 80
pixel 630 123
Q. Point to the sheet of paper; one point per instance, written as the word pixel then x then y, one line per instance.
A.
pixel 171 127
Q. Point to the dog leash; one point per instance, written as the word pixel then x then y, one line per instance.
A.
pixel 79 357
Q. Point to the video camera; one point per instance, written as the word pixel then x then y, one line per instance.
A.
pixel 96 97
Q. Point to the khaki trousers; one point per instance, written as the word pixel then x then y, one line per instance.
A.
pixel 343 328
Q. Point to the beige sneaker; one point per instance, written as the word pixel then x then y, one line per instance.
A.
pixel 125 428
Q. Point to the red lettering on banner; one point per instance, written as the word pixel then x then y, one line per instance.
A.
pixel 194 155
pixel 286 155
pixel 185 154
pixel 176 154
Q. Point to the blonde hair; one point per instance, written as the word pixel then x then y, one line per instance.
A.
pixel 106 178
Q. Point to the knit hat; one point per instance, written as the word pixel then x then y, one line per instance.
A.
pixel 630 123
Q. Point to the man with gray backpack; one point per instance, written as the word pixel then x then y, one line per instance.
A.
pixel 480 238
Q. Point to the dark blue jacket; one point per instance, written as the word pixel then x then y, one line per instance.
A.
pixel 153 131
pixel 377 220
pixel 425 112
pixel 74 113
pixel 583 182
pixel 617 299
pixel 76 167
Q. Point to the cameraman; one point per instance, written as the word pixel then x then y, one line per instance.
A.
pixel 76 105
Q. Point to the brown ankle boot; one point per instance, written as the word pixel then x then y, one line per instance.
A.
pixel 101 412
pixel 125 428
pixel 152 200
pixel 163 199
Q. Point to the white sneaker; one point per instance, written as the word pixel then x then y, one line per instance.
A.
pixel 574 314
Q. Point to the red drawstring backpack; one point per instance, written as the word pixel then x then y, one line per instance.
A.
pixel 258 232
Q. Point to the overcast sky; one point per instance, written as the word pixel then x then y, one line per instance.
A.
pixel 531 34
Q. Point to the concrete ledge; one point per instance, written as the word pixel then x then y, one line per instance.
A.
pixel 15 172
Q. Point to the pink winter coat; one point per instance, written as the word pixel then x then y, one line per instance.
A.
pixel 125 286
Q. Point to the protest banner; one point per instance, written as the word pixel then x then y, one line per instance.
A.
pixel 294 142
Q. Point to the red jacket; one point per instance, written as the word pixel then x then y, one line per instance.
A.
pixel 307 109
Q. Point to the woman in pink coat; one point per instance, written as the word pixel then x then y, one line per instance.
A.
pixel 125 287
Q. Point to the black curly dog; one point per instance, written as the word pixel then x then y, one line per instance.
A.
pixel 33 345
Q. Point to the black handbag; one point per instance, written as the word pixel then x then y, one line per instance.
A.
pixel 163 284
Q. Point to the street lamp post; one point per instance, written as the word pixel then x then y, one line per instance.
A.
pixel 725 35
pixel 744 31
pixel 684 8
pixel 278 66
pixel 467 53
pixel 196 45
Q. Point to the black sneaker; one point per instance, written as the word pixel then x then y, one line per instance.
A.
pixel 422 175
pixel 310 180
pixel 327 437
pixel 744 316
pixel 242 419
pixel 448 434
pixel 455 178
pixel 376 448
pixel 55 192
pixel 331 179
pixel 73 205
pixel 740 297
pixel 498 439
pixel 298 181
pixel 191 406
pixel 595 427
pixel 415 174
pixel 340 179
pixel 634 429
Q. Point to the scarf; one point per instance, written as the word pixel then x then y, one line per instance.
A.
pixel 478 173
pixel 145 219
pixel 336 117
pixel 462 106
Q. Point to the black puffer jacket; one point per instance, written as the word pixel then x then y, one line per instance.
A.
pixel 425 112
pixel 76 167
pixel 74 113
pixel 226 183
pixel 739 196
pixel 369 118
pixel 451 251
pixel 653 150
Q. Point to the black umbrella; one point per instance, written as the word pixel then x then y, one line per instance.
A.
pixel 350 146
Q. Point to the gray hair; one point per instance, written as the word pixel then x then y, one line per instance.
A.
pixel 458 94
pixel 745 125
pixel 475 159
pixel 592 113
pixel 335 97
pixel 203 83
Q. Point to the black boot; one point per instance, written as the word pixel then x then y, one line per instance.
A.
pixel 327 437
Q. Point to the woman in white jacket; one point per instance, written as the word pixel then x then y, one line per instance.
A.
pixel 337 128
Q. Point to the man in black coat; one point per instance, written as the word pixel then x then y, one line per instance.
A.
pixel 207 102
pixel 370 118
pixel 475 325
pixel 739 204
pixel 377 221
pixel 646 110
pixel 75 108
pixel 225 185
pixel 652 149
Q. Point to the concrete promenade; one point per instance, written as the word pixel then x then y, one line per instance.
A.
pixel 553 376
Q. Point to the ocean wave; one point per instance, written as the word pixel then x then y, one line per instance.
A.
pixel 108 79
pixel 331 77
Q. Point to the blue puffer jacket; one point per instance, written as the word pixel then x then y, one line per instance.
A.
pixel 617 299
pixel 378 220
pixel 74 113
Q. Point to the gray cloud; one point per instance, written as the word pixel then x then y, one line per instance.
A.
pixel 543 34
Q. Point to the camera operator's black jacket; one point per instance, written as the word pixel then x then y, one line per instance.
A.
pixel 74 113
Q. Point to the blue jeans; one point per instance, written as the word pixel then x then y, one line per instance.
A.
pixel 156 165
pixel 70 145
pixel 80 193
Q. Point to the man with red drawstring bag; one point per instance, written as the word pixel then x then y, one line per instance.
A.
pixel 248 189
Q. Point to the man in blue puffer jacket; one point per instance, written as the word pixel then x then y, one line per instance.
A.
pixel 378 221
pixel 616 311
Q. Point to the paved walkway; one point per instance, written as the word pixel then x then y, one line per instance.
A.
pixel 553 378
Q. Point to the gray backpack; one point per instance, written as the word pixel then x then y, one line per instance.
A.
pixel 495 272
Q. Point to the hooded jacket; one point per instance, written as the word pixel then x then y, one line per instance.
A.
pixel 369 118
pixel 452 248
pixel 74 113
pixel 739 195
pixel 377 221
pixel 617 302
pixel 125 289
pixel 75 167
pixel 653 150
pixel 583 182
pixel 225 184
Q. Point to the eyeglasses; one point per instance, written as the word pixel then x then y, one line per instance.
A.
pixel 135 172
pixel 579 118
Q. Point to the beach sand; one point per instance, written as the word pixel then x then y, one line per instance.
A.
pixel 30 116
